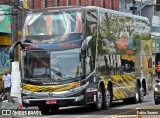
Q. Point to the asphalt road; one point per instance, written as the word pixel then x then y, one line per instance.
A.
pixel 117 109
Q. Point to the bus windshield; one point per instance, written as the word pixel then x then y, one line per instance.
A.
pixel 53 26
pixel 65 64
pixel 54 66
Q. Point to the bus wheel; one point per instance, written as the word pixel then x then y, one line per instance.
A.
pixel 157 102
pixel 98 104
pixel 137 95
pixel 141 96
pixel 44 109
pixel 106 99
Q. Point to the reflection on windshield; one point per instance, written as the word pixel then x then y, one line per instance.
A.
pixel 36 65
pixel 56 65
pixel 56 23
pixel 65 64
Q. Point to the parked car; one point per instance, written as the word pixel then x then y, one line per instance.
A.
pixel 157 92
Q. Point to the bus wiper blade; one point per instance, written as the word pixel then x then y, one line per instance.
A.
pixel 75 78
pixel 69 78
pixel 56 77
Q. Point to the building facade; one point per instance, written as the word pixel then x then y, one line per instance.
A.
pixel 109 4
pixel 5 37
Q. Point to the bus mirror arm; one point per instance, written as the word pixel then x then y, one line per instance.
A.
pixel 11 50
pixel 85 45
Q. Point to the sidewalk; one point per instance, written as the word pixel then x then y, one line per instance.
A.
pixel 9 105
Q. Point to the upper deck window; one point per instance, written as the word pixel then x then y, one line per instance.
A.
pixel 53 24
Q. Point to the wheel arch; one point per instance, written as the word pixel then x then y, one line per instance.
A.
pixel 138 82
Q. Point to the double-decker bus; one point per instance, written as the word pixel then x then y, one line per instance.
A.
pixel 84 56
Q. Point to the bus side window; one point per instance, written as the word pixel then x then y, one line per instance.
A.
pixel 128 63
pixel 88 65
pixel 90 60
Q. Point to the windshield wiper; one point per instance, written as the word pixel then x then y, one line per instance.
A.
pixel 75 78
pixel 55 77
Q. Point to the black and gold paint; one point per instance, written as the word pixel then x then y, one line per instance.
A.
pixel 123 85
pixel 50 88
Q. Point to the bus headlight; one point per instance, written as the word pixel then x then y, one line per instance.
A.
pixel 80 88
pixel 27 92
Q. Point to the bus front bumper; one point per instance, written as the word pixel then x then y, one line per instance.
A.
pixel 70 97
pixel 62 98
pixel 65 101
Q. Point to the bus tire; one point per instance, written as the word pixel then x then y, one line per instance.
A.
pixel 137 95
pixel 142 93
pixel 106 103
pixel 44 109
pixel 157 102
pixel 98 105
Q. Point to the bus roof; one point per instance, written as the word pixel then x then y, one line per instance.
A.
pixel 123 13
pixel 89 7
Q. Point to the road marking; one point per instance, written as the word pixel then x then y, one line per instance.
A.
pixel 83 116
pixel 45 116
pixel 101 112
pixel 122 116
pixel 51 116
pixel 134 105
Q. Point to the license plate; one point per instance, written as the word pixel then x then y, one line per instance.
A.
pixel 51 102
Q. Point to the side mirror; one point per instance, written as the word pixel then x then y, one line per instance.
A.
pixel 85 43
pixel 84 46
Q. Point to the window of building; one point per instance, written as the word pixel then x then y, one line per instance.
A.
pixel 92 2
pixel 158 6
pixel 79 2
pixel 104 4
pixel 58 3
pixel 69 2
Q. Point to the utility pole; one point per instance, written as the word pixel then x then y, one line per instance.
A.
pixel 14 13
